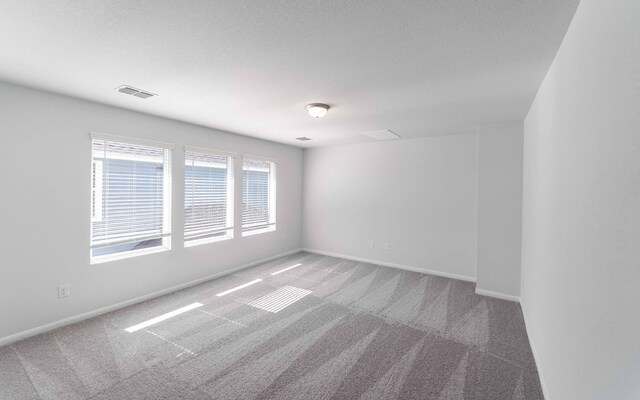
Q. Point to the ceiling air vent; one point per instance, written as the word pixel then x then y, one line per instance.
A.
pixel 303 138
pixel 383 134
pixel 143 94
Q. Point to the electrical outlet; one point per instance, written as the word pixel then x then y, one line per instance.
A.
pixel 63 291
pixel 372 244
pixel 387 246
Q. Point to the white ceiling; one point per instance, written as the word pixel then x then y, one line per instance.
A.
pixel 416 67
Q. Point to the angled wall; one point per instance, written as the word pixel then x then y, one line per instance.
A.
pixel 499 209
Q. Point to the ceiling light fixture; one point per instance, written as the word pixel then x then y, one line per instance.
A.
pixel 317 110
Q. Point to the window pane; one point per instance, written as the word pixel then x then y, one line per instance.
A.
pixel 129 197
pixel 208 200
pixel 258 195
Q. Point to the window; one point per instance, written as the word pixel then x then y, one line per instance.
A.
pixel 130 198
pixel 258 196
pixel 208 196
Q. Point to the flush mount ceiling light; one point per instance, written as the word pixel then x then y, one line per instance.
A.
pixel 317 110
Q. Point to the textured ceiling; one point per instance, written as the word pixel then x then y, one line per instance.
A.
pixel 416 67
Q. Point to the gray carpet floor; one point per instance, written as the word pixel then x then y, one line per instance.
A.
pixel 325 329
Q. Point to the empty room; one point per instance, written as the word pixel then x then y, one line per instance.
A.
pixel 240 199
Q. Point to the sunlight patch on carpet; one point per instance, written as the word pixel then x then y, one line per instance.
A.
pixel 162 317
pixel 280 299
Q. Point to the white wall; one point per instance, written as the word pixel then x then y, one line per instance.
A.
pixel 581 209
pixel 44 209
pixel 500 209
pixel 419 195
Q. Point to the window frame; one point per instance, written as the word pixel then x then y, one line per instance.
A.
pixel 167 151
pixel 272 198
pixel 230 196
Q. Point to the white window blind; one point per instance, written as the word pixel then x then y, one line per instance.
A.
pixel 131 186
pixel 258 195
pixel 208 196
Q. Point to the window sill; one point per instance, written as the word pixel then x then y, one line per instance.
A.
pixel 198 242
pixel 259 231
pixel 127 254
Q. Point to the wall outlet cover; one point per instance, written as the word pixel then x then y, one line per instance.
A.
pixel 63 290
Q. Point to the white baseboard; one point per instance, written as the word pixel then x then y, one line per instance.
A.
pixel 497 295
pixel 393 265
pixel 543 385
pixel 90 314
